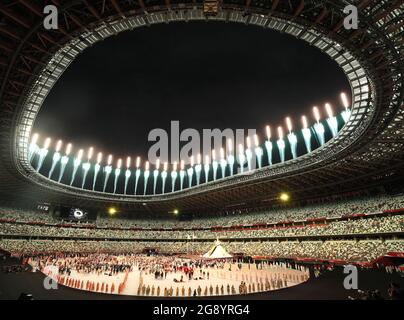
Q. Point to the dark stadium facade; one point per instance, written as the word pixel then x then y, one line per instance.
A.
pixel 368 151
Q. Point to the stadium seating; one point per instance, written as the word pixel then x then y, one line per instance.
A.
pixel 277 232
pixel 347 250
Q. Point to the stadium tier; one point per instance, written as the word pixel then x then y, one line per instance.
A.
pixel 348 251
pixel 351 231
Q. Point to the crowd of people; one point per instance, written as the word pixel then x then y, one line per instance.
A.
pixel 270 240
pixel 374 224
pixel 14 268
pixel 347 250
pixel 161 275
pixel 334 209
pixel 394 292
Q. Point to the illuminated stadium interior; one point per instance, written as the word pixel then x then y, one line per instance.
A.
pixel 276 215
pixel 361 110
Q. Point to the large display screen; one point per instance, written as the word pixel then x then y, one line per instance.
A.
pixel 77 214
pixel 43 207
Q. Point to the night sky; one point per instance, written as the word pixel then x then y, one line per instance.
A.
pixel 206 75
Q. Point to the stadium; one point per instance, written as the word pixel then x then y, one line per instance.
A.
pixel 278 214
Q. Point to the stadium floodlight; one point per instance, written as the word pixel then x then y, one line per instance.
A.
pixel 331 120
pixel 97 168
pixel 137 174
pixel 43 153
pixel 146 176
pixel 241 157
pixel 198 168
pixel 112 211
pixel 164 176
pixel 306 134
pixel 215 164
pixel 107 171
pixel 56 157
pixel 292 138
pixel 206 167
pixel 33 148
pixel 64 161
pixel 174 175
pixel 127 174
pixel 258 151
pixel 346 114
pixel 182 174
pixel 117 173
pixel 281 144
pixel 156 173
pixel 190 172
pixel 318 127
pixel 223 162
pixel 268 145
pixel 230 156
pixel 284 197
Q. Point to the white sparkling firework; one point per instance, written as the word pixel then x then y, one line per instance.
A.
pixel 47 143
pixel 35 138
pixel 316 113
pixel 68 149
pixel 280 133
pixel 128 162
pixel 344 99
pixel 59 145
pixel 99 157
pixel 289 124
pixel 304 122
pixel 256 140
pixel 90 153
pixel 329 111
pixel 268 132
pixel 80 154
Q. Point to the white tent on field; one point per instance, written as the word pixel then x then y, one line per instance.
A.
pixel 217 252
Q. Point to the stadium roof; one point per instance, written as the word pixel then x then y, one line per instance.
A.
pixel 368 150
